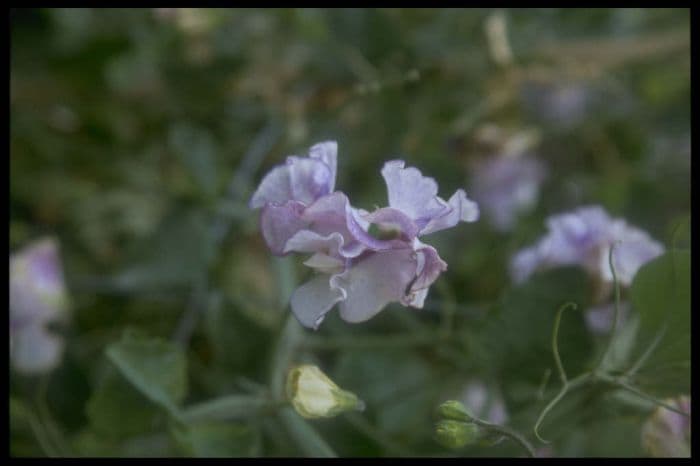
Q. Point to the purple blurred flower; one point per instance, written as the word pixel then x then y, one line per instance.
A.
pixel 484 403
pixel 301 213
pixel 599 319
pixel 37 298
pixel 561 105
pixel 506 185
pixel 583 237
pixel 666 433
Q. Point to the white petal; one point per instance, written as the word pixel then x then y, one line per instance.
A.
pixel 375 281
pixel 312 300
pixel 35 350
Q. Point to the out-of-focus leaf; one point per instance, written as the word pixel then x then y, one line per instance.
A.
pixel 308 440
pixel 395 385
pixel 175 256
pixel 218 439
pixel 661 295
pixel 117 409
pixel 157 368
pixel 227 407
pixel 197 151
pixel 518 338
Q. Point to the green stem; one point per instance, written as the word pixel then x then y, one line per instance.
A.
pixel 555 340
pixel 508 432
pixel 616 284
pixel 624 385
pixel 643 358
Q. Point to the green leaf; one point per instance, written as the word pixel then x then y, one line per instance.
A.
pixel 157 368
pixel 661 295
pixel 217 440
pixel 116 409
pixel 227 407
pixel 197 151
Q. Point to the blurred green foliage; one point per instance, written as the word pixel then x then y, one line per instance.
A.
pixel 138 135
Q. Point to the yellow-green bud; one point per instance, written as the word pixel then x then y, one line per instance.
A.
pixel 455 410
pixel 314 395
pixel 456 434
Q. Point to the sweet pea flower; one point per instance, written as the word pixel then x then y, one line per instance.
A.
pixel 506 186
pixel 37 298
pixel 584 237
pixel 362 273
pixel 667 433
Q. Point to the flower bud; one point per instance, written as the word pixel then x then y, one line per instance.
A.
pixel 667 433
pixel 455 410
pixel 314 395
pixel 456 434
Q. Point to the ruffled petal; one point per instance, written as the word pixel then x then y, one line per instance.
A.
pixel 461 209
pixel 428 269
pixel 375 281
pixel 411 192
pixel 312 300
pixel 333 213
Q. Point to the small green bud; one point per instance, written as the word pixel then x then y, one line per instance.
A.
pixel 455 410
pixel 314 395
pixel 456 434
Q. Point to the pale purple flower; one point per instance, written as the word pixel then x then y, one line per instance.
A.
pixel 506 186
pixel 484 403
pixel 301 213
pixel 667 433
pixel 599 319
pixel 584 237
pixel 561 105
pixel 37 298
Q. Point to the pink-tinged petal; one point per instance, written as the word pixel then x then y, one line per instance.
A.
pixel 35 350
pixel 327 152
pixel 333 213
pixel 279 223
pixel 375 281
pixel 393 219
pixel 411 192
pixel 428 269
pixel 312 300
pixel 461 209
